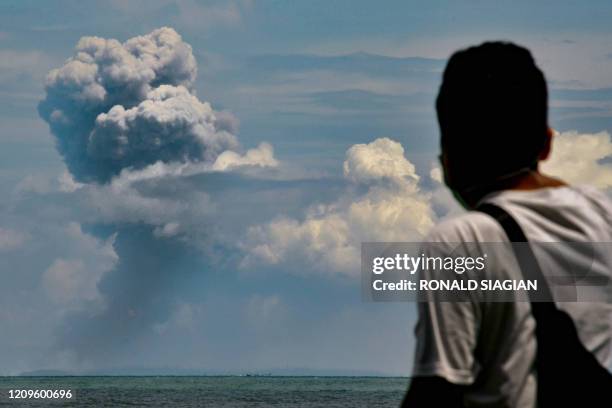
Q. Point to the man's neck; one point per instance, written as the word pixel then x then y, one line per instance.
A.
pixel 533 180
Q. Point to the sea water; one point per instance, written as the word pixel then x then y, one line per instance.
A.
pixel 206 391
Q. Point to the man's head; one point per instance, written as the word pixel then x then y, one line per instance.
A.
pixel 492 110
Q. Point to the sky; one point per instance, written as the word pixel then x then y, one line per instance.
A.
pixel 185 185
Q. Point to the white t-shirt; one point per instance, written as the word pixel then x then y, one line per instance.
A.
pixel 492 345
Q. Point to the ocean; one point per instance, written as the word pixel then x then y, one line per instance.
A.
pixel 222 391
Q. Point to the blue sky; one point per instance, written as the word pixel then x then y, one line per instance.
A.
pixel 251 266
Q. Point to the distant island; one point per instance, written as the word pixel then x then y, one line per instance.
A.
pixel 165 371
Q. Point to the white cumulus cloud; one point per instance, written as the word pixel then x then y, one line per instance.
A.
pixel 577 158
pixel 261 156
pixel 329 236
pixel 383 158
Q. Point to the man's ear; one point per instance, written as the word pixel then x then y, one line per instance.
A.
pixel 545 153
pixel 445 173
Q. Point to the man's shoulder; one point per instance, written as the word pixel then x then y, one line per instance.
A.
pixel 472 226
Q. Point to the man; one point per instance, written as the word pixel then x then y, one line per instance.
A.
pixel 492 111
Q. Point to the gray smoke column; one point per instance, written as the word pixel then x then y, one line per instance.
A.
pixel 127 105
pixel 115 109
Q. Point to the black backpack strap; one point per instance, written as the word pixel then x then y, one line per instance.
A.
pixel 525 257
pixel 569 375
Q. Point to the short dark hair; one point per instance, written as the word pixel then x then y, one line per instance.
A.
pixel 492 109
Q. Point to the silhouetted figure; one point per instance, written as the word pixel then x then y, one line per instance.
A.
pixel 492 111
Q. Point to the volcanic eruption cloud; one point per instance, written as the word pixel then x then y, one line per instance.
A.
pixel 128 105
pixel 122 114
